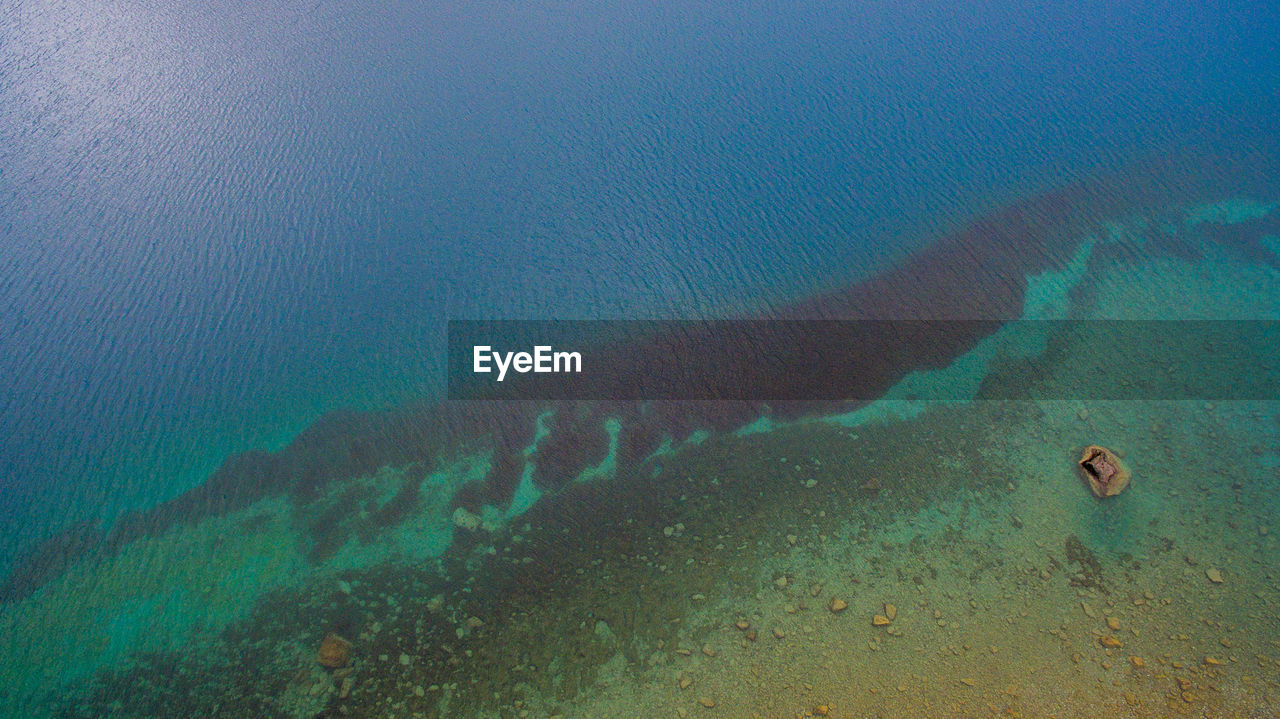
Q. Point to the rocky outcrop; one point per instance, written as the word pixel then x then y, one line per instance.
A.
pixel 1106 475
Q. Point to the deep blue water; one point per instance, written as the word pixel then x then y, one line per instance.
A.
pixel 219 220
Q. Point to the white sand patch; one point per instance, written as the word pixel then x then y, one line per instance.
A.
pixel 1170 288
pixel 607 468
pixel 1230 211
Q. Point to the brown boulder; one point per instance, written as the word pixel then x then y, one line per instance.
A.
pixel 335 652
pixel 1103 471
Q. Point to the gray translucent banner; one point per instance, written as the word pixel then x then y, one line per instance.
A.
pixel 779 360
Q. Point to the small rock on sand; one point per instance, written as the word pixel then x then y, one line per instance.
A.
pixel 880 620
pixel 1214 575
pixel 838 605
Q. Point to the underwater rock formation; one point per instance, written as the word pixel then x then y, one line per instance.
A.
pixel 335 652
pixel 1102 469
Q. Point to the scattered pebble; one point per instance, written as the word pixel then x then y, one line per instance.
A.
pixel 1214 575
pixel 838 605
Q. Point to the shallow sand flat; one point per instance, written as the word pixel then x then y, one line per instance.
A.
pixel 1000 605
pixel 970 520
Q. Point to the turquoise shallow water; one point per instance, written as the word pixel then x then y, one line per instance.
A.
pixel 222 225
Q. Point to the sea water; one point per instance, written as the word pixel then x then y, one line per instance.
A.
pixel 221 224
